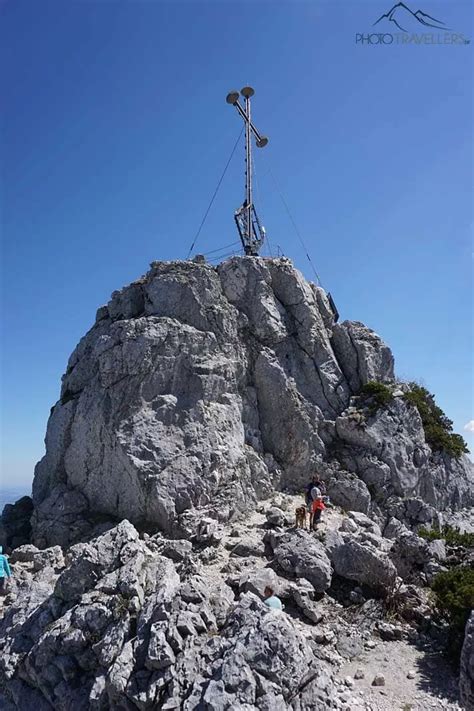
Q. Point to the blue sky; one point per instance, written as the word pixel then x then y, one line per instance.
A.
pixel 115 132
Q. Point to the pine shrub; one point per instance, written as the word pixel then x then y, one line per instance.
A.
pixel 454 596
pixel 376 395
pixel 438 428
pixel 452 536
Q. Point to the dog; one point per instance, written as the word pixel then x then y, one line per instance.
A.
pixel 300 516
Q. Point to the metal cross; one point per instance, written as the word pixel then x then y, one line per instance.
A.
pixel 252 233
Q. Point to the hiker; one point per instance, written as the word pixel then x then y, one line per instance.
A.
pixel 5 571
pixel 322 486
pixel 310 486
pixel 319 484
pixel 270 599
pixel 314 500
pixel 317 509
pixel 314 491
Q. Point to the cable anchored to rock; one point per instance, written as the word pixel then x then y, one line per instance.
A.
pixel 215 194
pixel 220 249
pixel 295 226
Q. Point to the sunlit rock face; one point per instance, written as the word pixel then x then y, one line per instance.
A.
pixel 206 387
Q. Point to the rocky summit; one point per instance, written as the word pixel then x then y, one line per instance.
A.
pixel 211 387
pixel 192 416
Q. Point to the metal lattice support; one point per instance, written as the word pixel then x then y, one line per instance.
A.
pixel 251 232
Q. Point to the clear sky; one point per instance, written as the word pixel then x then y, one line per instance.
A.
pixel 115 132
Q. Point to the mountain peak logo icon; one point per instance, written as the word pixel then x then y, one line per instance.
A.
pixel 404 18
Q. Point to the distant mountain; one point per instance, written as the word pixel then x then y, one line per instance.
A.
pixel 409 21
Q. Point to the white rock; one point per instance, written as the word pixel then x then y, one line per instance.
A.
pixel 299 553
pixel 363 563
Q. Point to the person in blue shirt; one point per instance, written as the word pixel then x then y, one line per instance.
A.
pixel 271 600
pixel 5 571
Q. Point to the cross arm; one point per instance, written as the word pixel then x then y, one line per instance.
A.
pixel 261 140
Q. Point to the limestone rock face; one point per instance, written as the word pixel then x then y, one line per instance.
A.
pixel 361 355
pixel 203 387
pixel 389 453
pixel 466 674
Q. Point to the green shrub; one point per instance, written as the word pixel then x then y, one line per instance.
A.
pixel 438 428
pixel 376 395
pixel 454 597
pixel 452 536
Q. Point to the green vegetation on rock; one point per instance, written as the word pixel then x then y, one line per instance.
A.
pixel 437 427
pixel 376 395
pixel 454 595
pixel 452 536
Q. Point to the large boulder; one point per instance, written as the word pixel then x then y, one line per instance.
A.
pixel 363 562
pixel 410 554
pixel 349 492
pixel 276 517
pixel 365 522
pixel 87 562
pixel 256 580
pixel 297 552
pixel 394 528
